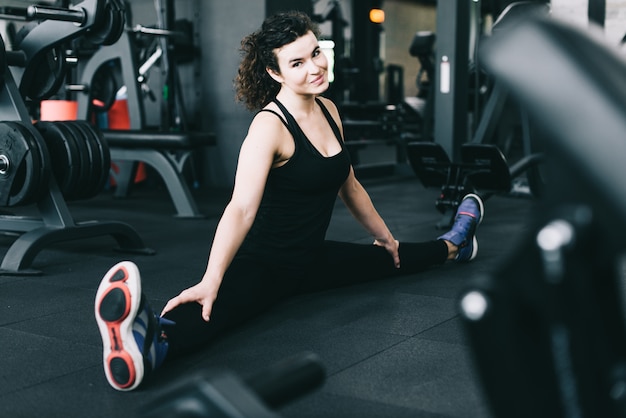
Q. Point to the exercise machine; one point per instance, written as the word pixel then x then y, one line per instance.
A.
pixel 167 149
pixel 547 328
pixel 482 163
pixel 422 48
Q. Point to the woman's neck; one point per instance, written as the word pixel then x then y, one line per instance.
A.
pixel 297 104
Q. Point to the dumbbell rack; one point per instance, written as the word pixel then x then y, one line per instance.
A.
pixel 55 223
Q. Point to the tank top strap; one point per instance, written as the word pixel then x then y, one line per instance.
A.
pixel 330 120
pixel 282 119
pixel 291 123
pixel 302 138
pixel 299 137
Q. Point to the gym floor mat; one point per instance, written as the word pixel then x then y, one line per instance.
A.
pixel 392 348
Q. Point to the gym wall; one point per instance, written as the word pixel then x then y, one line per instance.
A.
pixel 402 19
pixel 575 11
pixel 207 84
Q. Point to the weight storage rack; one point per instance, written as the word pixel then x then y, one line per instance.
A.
pixel 29 170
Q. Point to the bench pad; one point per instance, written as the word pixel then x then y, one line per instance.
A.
pixel 157 139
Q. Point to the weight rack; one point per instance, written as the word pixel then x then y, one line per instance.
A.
pixel 55 223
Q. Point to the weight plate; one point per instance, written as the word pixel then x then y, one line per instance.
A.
pixel 84 163
pixel 73 168
pixel 44 159
pixel 44 75
pixel 40 152
pixel 105 26
pixel 64 155
pixel 104 153
pixel 103 88
pixel 45 72
pixel 95 160
pixel 117 26
pixel 21 177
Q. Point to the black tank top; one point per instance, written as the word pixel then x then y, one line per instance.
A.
pixel 298 200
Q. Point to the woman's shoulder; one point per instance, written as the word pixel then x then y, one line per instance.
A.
pixel 269 114
pixel 269 121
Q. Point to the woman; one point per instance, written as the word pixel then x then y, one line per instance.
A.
pixel 270 242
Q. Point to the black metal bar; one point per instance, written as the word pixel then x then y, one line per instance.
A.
pixel 56 13
pixel 451 99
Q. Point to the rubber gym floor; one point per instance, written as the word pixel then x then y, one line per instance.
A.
pixel 390 348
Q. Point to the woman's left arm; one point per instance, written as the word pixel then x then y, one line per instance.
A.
pixel 360 205
pixel 358 202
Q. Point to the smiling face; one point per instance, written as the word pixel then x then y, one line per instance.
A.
pixel 303 66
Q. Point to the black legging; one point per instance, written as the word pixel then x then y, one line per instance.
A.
pixel 251 286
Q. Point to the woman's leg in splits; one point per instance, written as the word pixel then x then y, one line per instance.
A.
pixel 344 263
pixel 248 289
pixel 137 341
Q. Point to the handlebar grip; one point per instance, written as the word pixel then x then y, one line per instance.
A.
pixel 56 13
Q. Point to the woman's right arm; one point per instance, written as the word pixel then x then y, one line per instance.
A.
pixel 258 152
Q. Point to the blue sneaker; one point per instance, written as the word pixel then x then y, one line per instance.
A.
pixel 133 344
pixel 463 233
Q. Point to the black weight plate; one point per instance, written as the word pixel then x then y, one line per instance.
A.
pixel 35 170
pixel 44 75
pixel 64 155
pixel 95 160
pixel 73 158
pixel 29 170
pixel 117 27
pixel 104 168
pixel 104 152
pixel 40 152
pixel 22 176
pixel 104 25
pixel 84 162
pixel 103 88
pixel 36 184
pixel 67 167
pixel 44 159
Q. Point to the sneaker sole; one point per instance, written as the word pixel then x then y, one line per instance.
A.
pixel 117 303
pixel 474 249
pixel 481 205
pixel 482 213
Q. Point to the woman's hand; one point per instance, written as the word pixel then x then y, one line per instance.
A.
pixel 203 293
pixel 392 248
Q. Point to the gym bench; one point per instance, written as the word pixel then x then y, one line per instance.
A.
pixel 166 152
pixel 482 167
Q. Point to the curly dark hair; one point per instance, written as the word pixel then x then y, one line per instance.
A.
pixel 253 85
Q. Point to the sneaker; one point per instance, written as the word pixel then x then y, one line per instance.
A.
pixel 133 344
pixel 463 232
